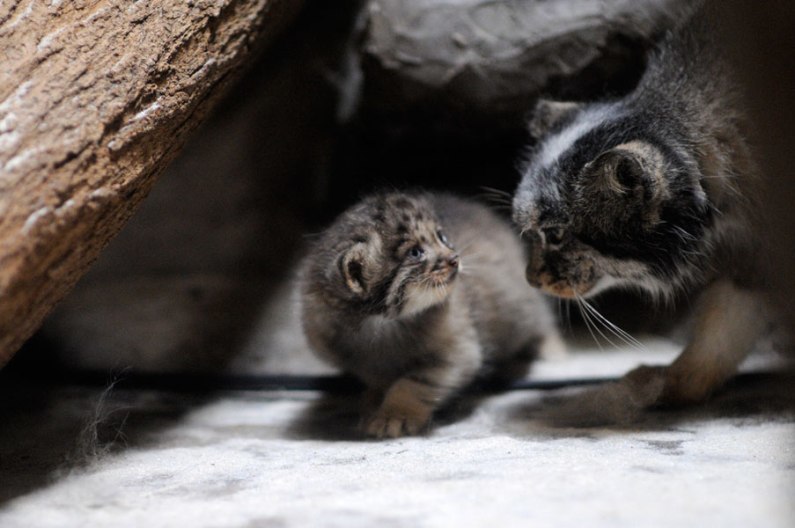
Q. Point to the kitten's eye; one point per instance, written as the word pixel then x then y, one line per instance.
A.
pixel 416 252
pixel 443 238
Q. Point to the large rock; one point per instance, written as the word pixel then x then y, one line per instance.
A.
pixel 96 98
pixel 490 59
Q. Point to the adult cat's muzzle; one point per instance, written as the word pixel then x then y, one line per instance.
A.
pixel 556 276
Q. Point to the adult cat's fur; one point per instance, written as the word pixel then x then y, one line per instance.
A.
pixel 654 191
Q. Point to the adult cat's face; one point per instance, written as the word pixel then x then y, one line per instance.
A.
pixel 603 202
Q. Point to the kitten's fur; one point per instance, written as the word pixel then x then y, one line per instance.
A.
pixel 415 315
pixel 654 191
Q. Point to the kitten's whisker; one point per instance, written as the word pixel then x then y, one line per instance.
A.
pixel 462 251
pixel 466 267
pixel 473 261
pixel 438 291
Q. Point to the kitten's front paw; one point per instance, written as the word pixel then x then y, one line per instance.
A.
pixel 394 423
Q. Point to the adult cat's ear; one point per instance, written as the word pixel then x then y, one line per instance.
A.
pixel 633 169
pixel 356 267
pixel 548 113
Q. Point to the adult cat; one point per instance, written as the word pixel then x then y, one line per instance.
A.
pixel 654 191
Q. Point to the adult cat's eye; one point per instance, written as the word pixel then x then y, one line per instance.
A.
pixel 553 236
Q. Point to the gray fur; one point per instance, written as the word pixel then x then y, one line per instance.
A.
pixel 364 308
pixel 654 191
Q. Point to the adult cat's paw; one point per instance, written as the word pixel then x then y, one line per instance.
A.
pixel 394 423
pixel 670 386
pixel 620 403
pixel 625 402
pixel 645 385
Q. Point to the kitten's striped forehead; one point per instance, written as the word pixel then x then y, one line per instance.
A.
pixel 405 216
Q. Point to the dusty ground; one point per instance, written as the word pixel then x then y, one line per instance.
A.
pixel 281 458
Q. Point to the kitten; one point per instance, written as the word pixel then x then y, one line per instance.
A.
pixel 417 295
pixel 654 191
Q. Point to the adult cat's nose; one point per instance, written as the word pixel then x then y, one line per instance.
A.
pixel 534 244
pixel 536 256
pixel 532 276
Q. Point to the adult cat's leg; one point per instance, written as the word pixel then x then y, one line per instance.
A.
pixel 729 319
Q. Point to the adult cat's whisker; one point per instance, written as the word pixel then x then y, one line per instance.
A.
pixel 588 322
pixel 498 192
pixel 623 335
pixel 560 310
pixel 496 203
pixel 597 322
pixel 494 199
pixel 683 234
pixel 496 196
pixel 568 313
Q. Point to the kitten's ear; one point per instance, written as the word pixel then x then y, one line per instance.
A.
pixel 356 267
pixel 548 113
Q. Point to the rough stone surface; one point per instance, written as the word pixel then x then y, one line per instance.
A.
pixel 186 282
pixel 96 98
pixel 491 58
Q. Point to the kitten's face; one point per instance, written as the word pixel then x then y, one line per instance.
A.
pixel 600 208
pixel 398 259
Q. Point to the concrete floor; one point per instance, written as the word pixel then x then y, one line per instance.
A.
pixel 77 456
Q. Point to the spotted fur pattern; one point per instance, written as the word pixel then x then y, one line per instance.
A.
pixel 654 191
pixel 417 295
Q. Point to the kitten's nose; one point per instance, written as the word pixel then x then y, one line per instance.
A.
pixel 452 261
